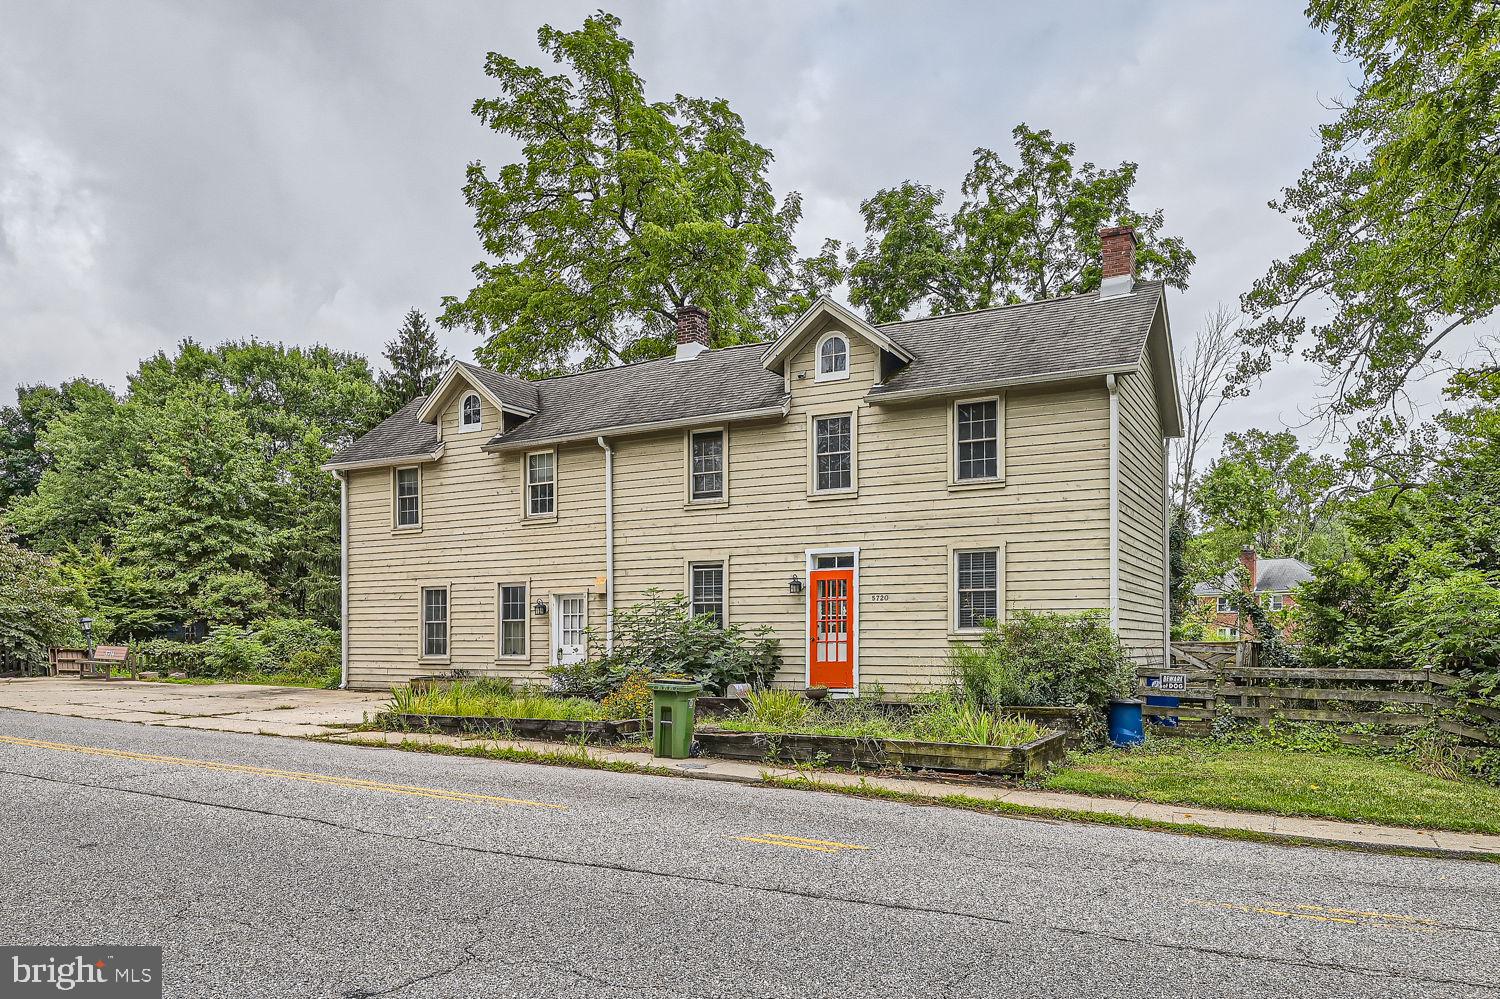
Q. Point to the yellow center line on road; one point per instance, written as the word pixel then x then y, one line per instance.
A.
pixel 1327 914
pixel 331 780
pixel 801 843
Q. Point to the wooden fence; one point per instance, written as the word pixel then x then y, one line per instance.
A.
pixel 1376 706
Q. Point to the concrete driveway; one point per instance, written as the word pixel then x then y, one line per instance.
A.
pixel 224 707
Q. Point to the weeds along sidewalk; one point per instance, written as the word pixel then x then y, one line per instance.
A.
pixel 1016 802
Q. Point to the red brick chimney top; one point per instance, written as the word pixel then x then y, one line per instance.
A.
pixel 1117 251
pixel 692 325
pixel 1250 562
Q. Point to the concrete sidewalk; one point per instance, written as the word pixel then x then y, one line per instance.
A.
pixel 224 707
pixel 1315 830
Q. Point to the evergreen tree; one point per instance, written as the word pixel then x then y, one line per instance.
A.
pixel 416 361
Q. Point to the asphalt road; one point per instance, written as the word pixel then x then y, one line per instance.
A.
pixel 275 867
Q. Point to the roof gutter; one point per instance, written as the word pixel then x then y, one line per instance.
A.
pixel 406 459
pixel 765 413
pixel 937 392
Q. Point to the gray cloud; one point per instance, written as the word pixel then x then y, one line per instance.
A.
pixel 292 170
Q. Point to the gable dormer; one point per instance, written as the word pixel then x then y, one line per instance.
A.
pixel 829 344
pixel 471 399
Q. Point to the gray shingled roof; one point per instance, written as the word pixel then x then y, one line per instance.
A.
pixel 1272 575
pixel 508 389
pixel 715 383
pixel 400 435
pixel 1031 340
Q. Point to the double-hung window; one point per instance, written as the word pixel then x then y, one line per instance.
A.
pixel 408 497
pixel 833 453
pixel 541 484
pixel 1224 606
pixel 434 622
pixel 706 465
pixel 707 582
pixel 976 431
pixel 976 578
pixel 513 619
pixel 1275 602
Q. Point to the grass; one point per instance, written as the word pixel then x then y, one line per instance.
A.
pixel 578 756
pixel 943 719
pixel 1258 778
pixel 494 699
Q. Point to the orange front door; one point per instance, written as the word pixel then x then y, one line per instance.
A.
pixel 830 645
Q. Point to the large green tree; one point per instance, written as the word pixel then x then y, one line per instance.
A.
pixel 21 460
pixel 36 608
pixel 1026 230
pixel 200 495
pixel 1400 210
pixel 620 211
pixel 1264 490
pixel 416 363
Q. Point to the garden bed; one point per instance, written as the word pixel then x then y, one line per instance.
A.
pixel 530 728
pixel 864 751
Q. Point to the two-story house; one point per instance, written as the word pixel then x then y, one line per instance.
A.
pixel 1271 582
pixel 872 493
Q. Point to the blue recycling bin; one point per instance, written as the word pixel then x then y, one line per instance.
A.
pixel 1126 724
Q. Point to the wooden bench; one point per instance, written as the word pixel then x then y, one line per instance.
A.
pixel 105 657
pixel 66 661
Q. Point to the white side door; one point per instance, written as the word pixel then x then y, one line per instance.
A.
pixel 568 624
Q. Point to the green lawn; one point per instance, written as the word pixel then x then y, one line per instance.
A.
pixel 1257 778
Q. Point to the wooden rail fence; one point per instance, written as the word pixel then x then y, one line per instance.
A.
pixel 1214 679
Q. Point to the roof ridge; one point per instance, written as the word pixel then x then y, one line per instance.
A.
pixel 1010 305
pixel 633 364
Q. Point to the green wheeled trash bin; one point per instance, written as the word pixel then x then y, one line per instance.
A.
pixel 672 717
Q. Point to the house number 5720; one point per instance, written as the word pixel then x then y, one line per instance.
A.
pixel 879 598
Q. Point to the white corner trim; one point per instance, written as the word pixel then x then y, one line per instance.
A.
pixel 1166 558
pixel 1112 384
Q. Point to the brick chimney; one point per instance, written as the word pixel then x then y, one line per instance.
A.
pixel 692 332
pixel 1116 261
pixel 1251 563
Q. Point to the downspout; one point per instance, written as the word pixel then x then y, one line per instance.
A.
pixel 1166 559
pixel 1114 502
pixel 343 579
pixel 609 545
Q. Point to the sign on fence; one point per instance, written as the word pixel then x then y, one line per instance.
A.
pixel 1172 681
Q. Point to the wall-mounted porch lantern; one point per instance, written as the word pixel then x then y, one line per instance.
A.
pixel 794 585
pixel 539 608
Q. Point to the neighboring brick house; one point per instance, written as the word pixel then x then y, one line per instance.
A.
pixel 1272 580
pixel 872 493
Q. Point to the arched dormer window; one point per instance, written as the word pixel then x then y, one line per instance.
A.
pixel 833 357
pixel 471 413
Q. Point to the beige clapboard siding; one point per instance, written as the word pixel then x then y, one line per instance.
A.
pixel 1142 477
pixel 1051 516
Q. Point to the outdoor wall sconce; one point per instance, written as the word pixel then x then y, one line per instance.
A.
pixel 794 585
pixel 539 608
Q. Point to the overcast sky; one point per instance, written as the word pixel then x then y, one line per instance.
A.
pixel 292 170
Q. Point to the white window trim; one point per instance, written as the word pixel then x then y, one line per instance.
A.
pixel 1222 605
pixel 707 558
pixel 1275 602
pixel 422 589
pixel 396 525
pixel 500 655
pixel 809 560
pixel 467 428
pixel 526 514
pixel 836 376
pixel 954 482
pixel 687 464
pixel 996 546
pixel 813 492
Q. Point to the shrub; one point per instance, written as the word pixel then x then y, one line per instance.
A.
pixel 1044 659
pixel 165 656
pixel 231 651
pixel 661 636
pixel 631 700
pixel 285 637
